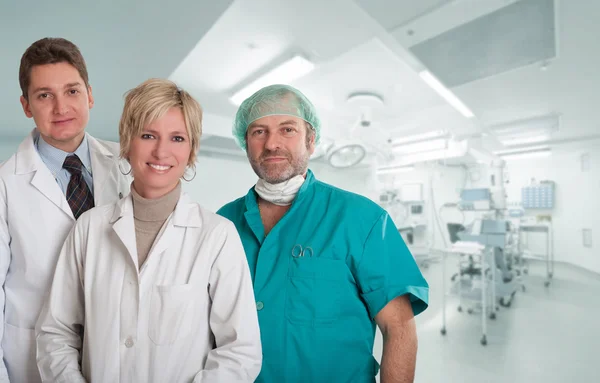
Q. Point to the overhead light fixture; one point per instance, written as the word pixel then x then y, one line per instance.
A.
pixel 322 148
pixel 346 155
pixel 541 153
pixel 455 149
pixel 394 169
pixel 525 140
pixel 422 146
pixel 284 73
pixel 368 99
pixel 521 150
pixel 532 152
pixel 433 155
pixel 527 131
pixel 419 137
pixel 446 94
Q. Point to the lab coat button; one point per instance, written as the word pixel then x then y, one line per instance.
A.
pixel 259 305
pixel 129 343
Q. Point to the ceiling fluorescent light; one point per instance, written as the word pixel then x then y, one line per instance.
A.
pixel 525 140
pixel 422 146
pixel 285 73
pixel 419 137
pixel 533 126
pixel 522 150
pixel 526 131
pixel 446 94
pixel 519 130
pixel 543 153
pixel 454 149
pixel 526 154
pixel 395 169
pixel 433 155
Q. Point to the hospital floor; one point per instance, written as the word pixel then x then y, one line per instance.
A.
pixel 549 334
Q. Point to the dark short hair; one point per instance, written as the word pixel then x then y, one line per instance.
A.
pixel 50 50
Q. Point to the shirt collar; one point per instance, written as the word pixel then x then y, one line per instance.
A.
pixel 310 180
pixel 54 157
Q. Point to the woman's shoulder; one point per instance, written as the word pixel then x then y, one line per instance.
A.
pixel 206 217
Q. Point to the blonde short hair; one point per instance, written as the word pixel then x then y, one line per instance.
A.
pixel 151 100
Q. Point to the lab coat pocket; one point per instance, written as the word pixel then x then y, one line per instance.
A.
pixel 19 352
pixel 314 290
pixel 171 313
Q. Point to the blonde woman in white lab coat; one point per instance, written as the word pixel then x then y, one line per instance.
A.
pixel 158 286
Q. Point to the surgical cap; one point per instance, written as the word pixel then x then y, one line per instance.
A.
pixel 274 100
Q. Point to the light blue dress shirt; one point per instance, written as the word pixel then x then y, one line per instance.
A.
pixel 54 159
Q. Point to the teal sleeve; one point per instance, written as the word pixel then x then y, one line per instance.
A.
pixel 388 270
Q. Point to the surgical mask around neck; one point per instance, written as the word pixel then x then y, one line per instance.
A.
pixel 281 194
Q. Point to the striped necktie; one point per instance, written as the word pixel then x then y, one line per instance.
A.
pixel 79 196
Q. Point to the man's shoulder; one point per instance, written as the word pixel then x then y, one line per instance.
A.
pixel 7 167
pixel 347 198
pixel 113 147
pixel 233 209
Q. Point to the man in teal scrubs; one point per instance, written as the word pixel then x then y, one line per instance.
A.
pixel 327 265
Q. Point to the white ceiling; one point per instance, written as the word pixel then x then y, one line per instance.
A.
pixel 567 86
pixel 352 53
pixel 212 49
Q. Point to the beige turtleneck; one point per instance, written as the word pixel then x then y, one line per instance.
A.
pixel 149 217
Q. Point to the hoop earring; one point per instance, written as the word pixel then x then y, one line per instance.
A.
pixel 190 180
pixel 122 172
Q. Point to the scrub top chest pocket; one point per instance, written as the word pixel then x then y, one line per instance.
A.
pixel 171 313
pixel 315 290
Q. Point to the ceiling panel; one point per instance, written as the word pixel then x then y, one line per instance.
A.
pixel 251 34
pixel 520 34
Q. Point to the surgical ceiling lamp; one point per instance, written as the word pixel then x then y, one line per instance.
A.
pixel 346 155
pixel 322 149
pixel 351 153
pixel 365 103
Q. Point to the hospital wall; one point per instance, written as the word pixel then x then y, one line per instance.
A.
pixel 577 205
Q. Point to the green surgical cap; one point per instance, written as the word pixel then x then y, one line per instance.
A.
pixel 274 100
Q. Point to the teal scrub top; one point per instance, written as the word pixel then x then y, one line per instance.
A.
pixel 322 274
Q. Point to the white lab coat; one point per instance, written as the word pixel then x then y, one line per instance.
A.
pixel 35 219
pixel 188 315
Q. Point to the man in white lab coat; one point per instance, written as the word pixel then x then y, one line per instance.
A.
pixel 57 173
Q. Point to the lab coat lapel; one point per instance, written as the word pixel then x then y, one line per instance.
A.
pixel 165 238
pixel 124 226
pixel 183 216
pixel 28 161
pixel 103 167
